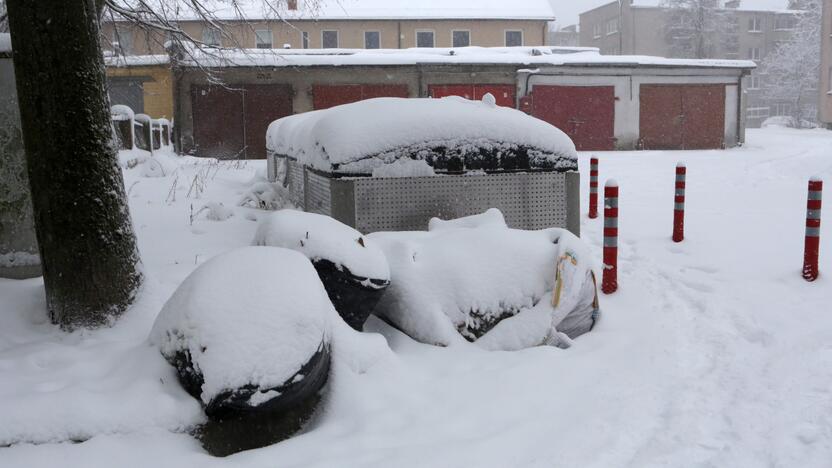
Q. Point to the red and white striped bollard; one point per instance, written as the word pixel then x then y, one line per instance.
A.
pixel 811 250
pixel 593 188
pixel 679 204
pixel 609 281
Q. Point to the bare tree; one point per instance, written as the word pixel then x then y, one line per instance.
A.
pixel 789 73
pixel 696 28
pixel 4 17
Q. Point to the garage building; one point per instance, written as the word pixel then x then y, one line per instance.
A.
pixel 602 102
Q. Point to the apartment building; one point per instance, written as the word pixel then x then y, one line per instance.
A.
pixel 349 24
pixel 638 27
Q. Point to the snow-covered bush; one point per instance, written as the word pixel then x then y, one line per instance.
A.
pixel 475 279
pixel 162 164
pixel 249 335
pixel 353 269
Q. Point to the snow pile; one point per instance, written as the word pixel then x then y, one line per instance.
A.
pixel 359 137
pixel 215 211
pixel 783 121
pixel 492 217
pixel 265 195
pixel 404 168
pixel 250 317
pixel 320 237
pixel 162 164
pixel 488 284
pixel 122 112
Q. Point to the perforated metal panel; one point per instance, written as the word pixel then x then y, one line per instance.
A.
pixel 318 194
pixel 294 181
pixel 527 200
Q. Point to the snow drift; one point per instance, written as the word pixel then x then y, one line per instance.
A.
pixel 475 279
pixel 353 269
pixel 243 328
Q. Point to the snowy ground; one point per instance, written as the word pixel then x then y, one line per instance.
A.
pixel 714 352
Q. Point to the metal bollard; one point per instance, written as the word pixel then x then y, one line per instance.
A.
pixel 811 250
pixel 609 281
pixel 593 188
pixel 679 204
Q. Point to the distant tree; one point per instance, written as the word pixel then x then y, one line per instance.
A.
pixel 790 72
pixel 4 17
pixel 88 248
pixel 696 28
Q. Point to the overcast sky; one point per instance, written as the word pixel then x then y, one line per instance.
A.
pixel 567 10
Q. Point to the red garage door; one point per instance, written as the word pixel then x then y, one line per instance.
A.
pixel 230 122
pixel 326 96
pixel 504 94
pixel 218 121
pixel 585 113
pixel 682 116
pixel 263 105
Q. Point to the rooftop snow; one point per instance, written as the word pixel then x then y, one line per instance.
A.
pixel 355 137
pixel 359 9
pixel 526 56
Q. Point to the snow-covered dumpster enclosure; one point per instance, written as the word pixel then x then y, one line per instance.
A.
pixel 392 164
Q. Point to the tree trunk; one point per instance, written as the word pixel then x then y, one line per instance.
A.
pixel 87 245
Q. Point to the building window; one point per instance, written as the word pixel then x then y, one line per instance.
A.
pixel 754 82
pixel 757 112
pixel 329 39
pixel 782 108
pixel 733 26
pixel 372 40
pixel 211 36
pixel 292 4
pixel 263 38
pixel 754 53
pixel 612 26
pixel 755 24
pixel 596 31
pixel 304 39
pixel 424 38
pixel 123 41
pixel 514 38
pixel 460 38
pixel 784 22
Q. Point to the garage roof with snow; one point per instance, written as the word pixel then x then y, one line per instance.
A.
pixel 522 56
pixel 359 137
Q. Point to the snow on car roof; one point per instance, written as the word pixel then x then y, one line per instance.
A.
pixel 349 137
pixel 526 56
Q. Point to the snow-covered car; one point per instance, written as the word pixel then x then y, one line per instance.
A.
pixel 393 163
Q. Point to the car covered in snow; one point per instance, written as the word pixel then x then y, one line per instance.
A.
pixel 394 163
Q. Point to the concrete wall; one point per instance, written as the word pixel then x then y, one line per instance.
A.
pixel 627 83
pixel 394 34
pixel 18 245
pixel 157 84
